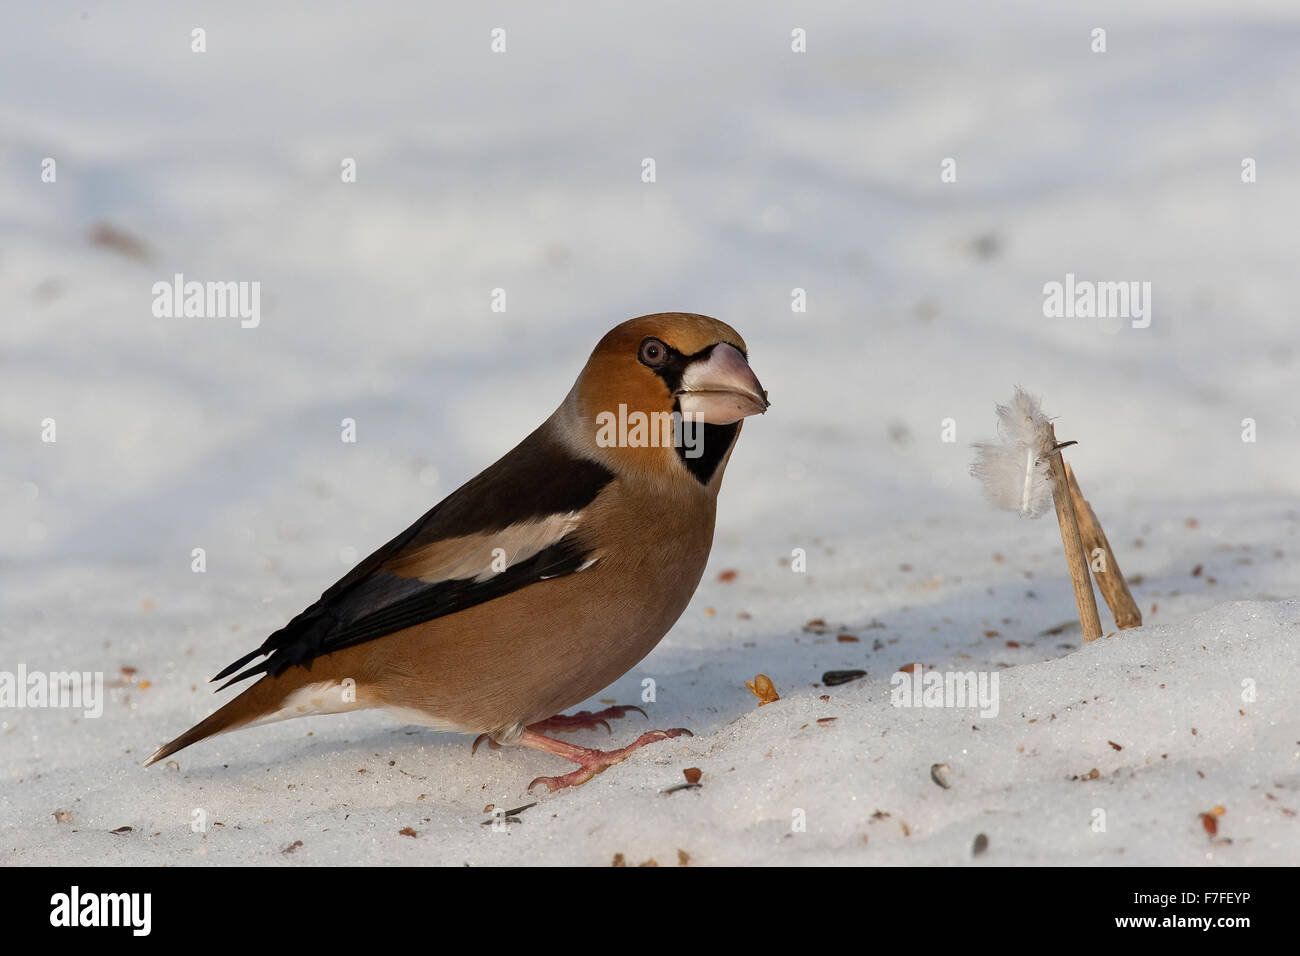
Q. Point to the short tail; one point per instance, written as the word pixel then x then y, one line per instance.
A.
pixel 257 703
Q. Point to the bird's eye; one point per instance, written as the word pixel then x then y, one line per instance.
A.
pixel 653 353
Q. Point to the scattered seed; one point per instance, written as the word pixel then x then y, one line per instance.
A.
pixel 938 773
pixel 1115 745
pixel 980 846
pixel 763 688
pixel 510 816
pixel 669 791
pixel 692 774
pixel 407 832
pixel 832 678
pixel 291 847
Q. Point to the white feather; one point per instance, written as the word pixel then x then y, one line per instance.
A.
pixel 1015 469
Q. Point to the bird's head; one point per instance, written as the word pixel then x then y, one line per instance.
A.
pixel 663 393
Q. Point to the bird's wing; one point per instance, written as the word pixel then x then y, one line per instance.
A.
pixel 511 526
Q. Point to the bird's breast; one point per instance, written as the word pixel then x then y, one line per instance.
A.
pixel 534 652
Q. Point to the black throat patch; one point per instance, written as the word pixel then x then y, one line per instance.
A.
pixel 717 439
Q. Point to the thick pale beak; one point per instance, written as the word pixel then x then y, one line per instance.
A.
pixel 721 389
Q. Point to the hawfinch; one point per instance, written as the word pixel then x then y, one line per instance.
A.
pixel 541 580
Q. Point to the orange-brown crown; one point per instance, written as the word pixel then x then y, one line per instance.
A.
pixel 618 384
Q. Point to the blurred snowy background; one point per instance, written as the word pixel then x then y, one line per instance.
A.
pixel 775 170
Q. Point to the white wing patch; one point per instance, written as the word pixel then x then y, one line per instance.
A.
pixel 480 556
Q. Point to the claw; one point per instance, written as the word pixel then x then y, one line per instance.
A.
pixel 590 762
pixel 479 739
pixel 585 719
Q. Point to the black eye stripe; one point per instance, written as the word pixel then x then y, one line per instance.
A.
pixel 673 366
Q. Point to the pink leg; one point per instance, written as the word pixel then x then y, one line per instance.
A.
pixel 563 723
pixel 584 720
pixel 590 762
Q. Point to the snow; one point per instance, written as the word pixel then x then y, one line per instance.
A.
pixel 775 171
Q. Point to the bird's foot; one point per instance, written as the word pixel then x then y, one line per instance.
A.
pixel 590 762
pixel 584 720
pixel 565 723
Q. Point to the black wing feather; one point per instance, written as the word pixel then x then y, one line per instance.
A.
pixel 537 479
